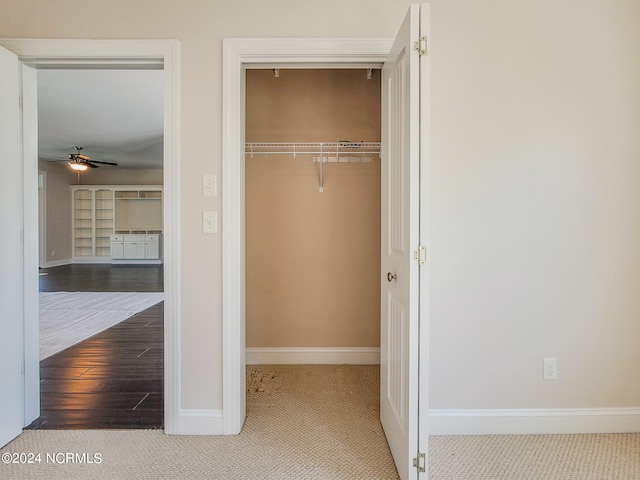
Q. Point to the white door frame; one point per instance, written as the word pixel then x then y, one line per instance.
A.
pixel 238 54
pixel 163 54
pixel 42 219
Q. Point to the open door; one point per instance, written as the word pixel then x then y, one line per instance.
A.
pixel 11 252
pixel 402 256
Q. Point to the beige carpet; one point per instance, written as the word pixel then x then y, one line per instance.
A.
pixel 303 422
pixel 535 457
pixel 319 422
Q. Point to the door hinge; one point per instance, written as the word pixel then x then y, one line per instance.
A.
pixel 421 45
pixel 421 462
pixel 420 255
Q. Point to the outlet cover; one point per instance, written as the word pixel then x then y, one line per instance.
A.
pixel 550 368
pixel 209 222
pixel 209 186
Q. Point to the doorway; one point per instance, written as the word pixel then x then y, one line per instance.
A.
pixel 240 54
pixel 89 304
pixel 35 54
pixel 312 206
pixel 405 136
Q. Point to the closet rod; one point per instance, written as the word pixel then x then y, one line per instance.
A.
pixel 321 149
pixel 313 148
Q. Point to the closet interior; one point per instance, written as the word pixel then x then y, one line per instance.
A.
pixel 312 208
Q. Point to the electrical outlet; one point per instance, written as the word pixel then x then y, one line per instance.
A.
pixel 550 368
pixel 209 222
pixel 209 186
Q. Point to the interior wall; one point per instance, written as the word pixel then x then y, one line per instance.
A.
pixel 59 214
pixel 536 204
pixel 143 214
pixel 312 258
pixel 535 181
pixel 118 176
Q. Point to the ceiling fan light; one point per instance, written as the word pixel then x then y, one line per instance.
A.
pixel 80 167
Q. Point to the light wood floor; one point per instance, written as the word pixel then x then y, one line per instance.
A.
pixel 113 380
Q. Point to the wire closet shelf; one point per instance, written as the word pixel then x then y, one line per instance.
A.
pixel 343 151
pixel 334 149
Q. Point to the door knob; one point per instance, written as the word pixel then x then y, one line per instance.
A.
pixel 391 276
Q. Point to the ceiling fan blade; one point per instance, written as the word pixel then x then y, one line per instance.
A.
pixel 103 163
pixel 89 163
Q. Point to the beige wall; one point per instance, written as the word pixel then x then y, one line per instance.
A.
pixel 120 176
pixel 312 259
pixel 535 181
pixel 134 214
pixel 58 211
pixel 535 203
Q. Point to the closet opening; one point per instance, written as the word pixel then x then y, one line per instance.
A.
pixel 312 243
pixel 312 215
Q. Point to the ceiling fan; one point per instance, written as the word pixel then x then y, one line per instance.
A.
pixel 81 162
pixel 78 161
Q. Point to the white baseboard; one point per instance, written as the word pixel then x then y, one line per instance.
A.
pixel 58 263
pixel 198 422
pixel 91 259
pixel 534 421
pixel 116 261
pixel 313 355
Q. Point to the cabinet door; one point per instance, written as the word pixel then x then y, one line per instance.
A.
pixel 134 246
pixel 134 249
pixel 117 250
pixel 152 250
pixel 140 250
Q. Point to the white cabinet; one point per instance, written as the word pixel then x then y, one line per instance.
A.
pixel 117 246
pixel 136 248
pixel 152 246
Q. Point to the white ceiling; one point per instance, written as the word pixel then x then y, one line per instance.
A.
pixel 116 115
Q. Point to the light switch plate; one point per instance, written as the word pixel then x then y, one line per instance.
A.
pixel 209 186
pixel 209 222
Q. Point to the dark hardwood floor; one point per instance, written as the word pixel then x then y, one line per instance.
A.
pixel 113 380
pixel 102 278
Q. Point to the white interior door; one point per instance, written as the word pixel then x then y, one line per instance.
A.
pixel 11 254
pixel 400 299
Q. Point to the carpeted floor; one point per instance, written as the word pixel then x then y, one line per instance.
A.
pixel 315 422
pixel 535 457
pixel 67 318
pixel 303 422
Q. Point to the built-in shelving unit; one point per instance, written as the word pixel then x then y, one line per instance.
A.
pixel 83 223
pixel 138 210
pixel 92 223
pixel 99 212
pixel 104 221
